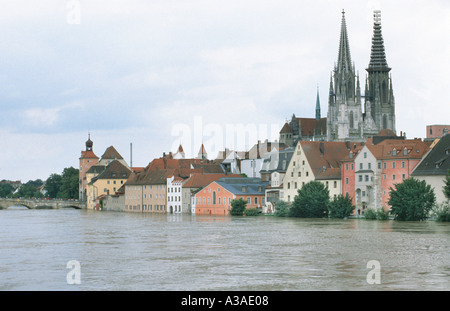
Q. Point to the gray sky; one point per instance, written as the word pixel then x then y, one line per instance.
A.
pixel 160 73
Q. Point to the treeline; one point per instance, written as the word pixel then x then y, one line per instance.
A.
pixel 57 186
pixel 410 200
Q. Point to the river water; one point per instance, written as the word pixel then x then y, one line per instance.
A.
pixel 126 251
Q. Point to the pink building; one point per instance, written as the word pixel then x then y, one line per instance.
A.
pixel 437 131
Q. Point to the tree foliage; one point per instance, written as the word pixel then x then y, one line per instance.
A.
pixel 341 206
pixel 6 190
pixel 238 207
pixel 411 200
pixel 29 190
pixel 311 201
pixel 64 186
pixel 446 188
pixel 282 208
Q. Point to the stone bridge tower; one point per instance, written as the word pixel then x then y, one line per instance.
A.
pixel 87 159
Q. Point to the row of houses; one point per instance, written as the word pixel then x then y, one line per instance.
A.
pixel 267 173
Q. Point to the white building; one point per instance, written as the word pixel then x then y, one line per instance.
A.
pixel 174 195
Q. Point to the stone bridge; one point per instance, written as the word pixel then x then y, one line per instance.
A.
pixel 41 203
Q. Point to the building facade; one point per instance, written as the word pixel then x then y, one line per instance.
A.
pixel 378 167
pixel 434 167
pixel 109 181
pixel 215 199
pixel 316 160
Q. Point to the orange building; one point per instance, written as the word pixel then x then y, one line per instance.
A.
pixel 216 198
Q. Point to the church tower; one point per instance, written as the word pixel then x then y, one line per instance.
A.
pixel 344 118
pixel 379 96
pixel 87 159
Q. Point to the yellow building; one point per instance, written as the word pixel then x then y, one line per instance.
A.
pixel 108 181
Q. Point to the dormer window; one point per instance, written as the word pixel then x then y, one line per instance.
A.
pixel 244 189
pixel 394 152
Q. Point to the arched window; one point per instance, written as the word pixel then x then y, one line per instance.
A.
pixel 351 120
pixel 214 198
pixel 385 121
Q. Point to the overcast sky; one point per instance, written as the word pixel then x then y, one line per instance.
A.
pixel 158 73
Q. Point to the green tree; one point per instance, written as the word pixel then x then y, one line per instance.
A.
pixel 411 200
pixel 52 185
pixel 64 186
pixel 238 207
pixel 282 208
pixel 69 184
pixel 6 190
pixel 311 201
pixel 30 190
pixel 341 206
pixel 447 185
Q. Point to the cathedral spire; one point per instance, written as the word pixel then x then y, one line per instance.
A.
pixel 377 56
pixel 317 105
pixel 344 58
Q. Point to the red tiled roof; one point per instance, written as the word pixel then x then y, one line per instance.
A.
pixel 286 128
pixel 415 149
pixel 111 153
pixel 202 180
pixel 311 126
pixel 325 154
pixel 88 154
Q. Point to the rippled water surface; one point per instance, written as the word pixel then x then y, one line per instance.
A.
pixel 123 251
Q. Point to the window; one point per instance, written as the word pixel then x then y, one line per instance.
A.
pixel 256 200
pixel 295 185
pixel 366 177
pixel 335 184
pixel 360 166
pixel 346 181
pixel 360 178
pixel 353 166
pixel 369 166
pixel 393 164
pixel 214 198
pixel 379 165
pixel 249 201
pixel 384 165
pixel 403 176
pixel 393 177
pixel 365 155
pixel 403 164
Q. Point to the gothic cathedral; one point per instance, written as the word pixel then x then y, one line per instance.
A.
pixel 346 120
